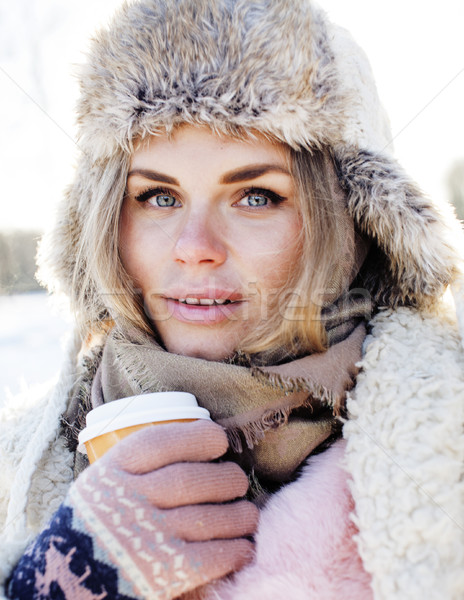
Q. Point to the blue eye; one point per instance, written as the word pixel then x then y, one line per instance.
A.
pixel 259 198
pixel 256 200
pixel 164 200
pixel 158 197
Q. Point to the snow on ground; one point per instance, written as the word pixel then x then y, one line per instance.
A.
pixel 32 335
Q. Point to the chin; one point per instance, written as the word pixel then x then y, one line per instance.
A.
pixel 204 350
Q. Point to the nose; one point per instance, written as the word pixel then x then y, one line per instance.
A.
pixel 200 242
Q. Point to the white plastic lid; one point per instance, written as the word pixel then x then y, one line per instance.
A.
pixel 137 410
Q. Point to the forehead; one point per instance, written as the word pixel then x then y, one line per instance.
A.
pixel 189 144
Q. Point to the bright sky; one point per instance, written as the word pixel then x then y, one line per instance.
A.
pixel 416 49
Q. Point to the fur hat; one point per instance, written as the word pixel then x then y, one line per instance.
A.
pixel 275 66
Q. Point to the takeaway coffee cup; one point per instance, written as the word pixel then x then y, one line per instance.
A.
pixel 111 422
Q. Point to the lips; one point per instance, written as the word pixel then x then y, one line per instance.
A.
pixel 206 307
pixel 206 296
pixel 205 301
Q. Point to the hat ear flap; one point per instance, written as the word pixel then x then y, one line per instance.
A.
pixel 58 248
pixel 415 259
pixel 67 253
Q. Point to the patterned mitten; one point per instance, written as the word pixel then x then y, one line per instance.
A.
pixel 153 518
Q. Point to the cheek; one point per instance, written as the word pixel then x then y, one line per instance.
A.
pixel 134 248
pixel 274 254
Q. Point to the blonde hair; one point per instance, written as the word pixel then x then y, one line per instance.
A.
pixel 103 291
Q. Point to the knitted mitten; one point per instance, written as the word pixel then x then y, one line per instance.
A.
pixel 147 520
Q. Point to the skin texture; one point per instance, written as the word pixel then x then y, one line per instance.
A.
pixel 209 217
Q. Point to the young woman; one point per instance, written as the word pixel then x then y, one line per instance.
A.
pixel 238 230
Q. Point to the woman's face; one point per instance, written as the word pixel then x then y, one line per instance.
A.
pixel 209 234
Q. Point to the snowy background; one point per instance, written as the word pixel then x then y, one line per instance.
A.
pixel 32 337
pixel 416 49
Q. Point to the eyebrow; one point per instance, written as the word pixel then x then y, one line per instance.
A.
pixel 154 176
pixel 252 172
pixel 241 174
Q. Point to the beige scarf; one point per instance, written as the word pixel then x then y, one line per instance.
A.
pixel 275 416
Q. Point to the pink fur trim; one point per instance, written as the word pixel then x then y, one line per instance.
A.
pixel 304 547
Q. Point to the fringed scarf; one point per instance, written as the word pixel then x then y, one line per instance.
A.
pixel 275 416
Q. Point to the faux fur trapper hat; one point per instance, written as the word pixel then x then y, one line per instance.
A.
pixel 275 66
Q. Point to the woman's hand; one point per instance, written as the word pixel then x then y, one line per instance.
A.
pixel 158 511
pixel 157 499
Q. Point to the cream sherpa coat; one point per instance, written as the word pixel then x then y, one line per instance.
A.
pixel 279 67
pixel 404 455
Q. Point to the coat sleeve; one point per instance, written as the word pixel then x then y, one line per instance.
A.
pixel 35 472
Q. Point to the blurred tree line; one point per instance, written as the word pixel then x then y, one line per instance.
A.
pixel 455 183
pixel 17 261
